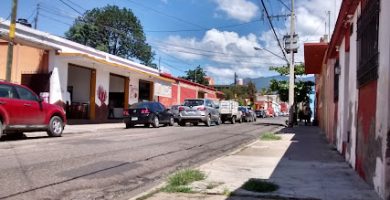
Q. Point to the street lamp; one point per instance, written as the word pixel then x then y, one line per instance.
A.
pixel 260 49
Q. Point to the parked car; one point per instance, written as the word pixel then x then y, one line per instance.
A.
pixel 199 110
pixel 261 113
pixel 175 111
pixel 148 113
pixel 247 114
pixel 229 111
pixel 252 113
pixel 21 110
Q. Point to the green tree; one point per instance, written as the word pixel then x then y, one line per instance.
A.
pixel 198 75
pixel 113 30
pixel 302 89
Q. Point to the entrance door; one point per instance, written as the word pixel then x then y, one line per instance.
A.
pixel 145 91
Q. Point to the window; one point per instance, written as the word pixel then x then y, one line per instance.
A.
pixel 336 80
pixel 6 91
pixel 209 104
pixel 26 94
pixel 367 43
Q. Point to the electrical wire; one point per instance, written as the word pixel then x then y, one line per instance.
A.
pixel 285 5
pixel 273 30
pixel 198 30
pixel 71 7
pixel 167 15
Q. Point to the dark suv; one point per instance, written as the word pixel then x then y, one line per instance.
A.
pixel 21 110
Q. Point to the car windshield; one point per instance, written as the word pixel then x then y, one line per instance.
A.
pixel 242 109
pixel 193 102
pixel 141 105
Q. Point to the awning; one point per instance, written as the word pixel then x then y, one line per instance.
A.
pixel 314 55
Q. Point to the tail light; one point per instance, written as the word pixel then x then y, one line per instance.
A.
pixel 125 113
pixel 201 108
pixel 145 111
pixel 181 108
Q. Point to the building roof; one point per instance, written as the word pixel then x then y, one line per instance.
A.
pixel 347 9
pixel 43 40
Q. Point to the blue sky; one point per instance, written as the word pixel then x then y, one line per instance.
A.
pixel 218 35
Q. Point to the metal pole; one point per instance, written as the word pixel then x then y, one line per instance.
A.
pixel 292 79
pixel 36 17
pixel 11 40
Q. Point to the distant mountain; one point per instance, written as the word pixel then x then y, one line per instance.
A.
pixel 264 82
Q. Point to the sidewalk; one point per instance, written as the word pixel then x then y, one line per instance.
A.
pixel 88 128
pixel 302 164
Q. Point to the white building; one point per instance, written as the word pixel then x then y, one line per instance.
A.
pixel 88 79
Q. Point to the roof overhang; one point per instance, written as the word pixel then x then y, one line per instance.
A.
pixel 113 64
pixel 314 55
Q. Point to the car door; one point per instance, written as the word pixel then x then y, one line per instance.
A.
pixel 33 111
pixel 10 105
pixel 211 109
pixel 165 114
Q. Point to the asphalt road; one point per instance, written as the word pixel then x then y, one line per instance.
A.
pixel 113 164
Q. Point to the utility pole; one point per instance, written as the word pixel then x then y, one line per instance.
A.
pixel 11 35
pixel 329 24
pixel 292 76
pixel 159 68
pixel 36 17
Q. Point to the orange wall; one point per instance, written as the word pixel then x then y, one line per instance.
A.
pixel 26 60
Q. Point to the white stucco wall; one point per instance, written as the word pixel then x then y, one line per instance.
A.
pixel 58 78
pixel 383 96
pixel 102 80
pixel 352 93
pixel 134 89
pixel 342 109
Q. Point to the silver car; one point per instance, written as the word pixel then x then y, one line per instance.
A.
pixel 199 110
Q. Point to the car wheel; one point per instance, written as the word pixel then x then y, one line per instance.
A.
pixel 56 126
pixel 219 121
pixel 171 121
pixel 240 121
pixel 156 122
pixel 233 121
pixel 208 121
pixel 182 123
pixel 128 125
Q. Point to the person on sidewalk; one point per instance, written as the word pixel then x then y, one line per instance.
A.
pixel 307 114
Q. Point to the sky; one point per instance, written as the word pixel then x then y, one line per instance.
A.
pixel 218 35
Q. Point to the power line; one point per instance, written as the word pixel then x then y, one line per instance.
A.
pixel 75 4
pixel 53 19
pixel 196 30
pixel 71 7
pixel 273 29
pixel 285 5
pixel 167 15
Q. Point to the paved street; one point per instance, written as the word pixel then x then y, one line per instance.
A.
pixel 113 163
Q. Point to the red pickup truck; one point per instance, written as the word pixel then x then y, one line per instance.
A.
pixel 21 110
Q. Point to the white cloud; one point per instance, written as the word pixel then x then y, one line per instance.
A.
pixel 228 52
pixel 241 10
